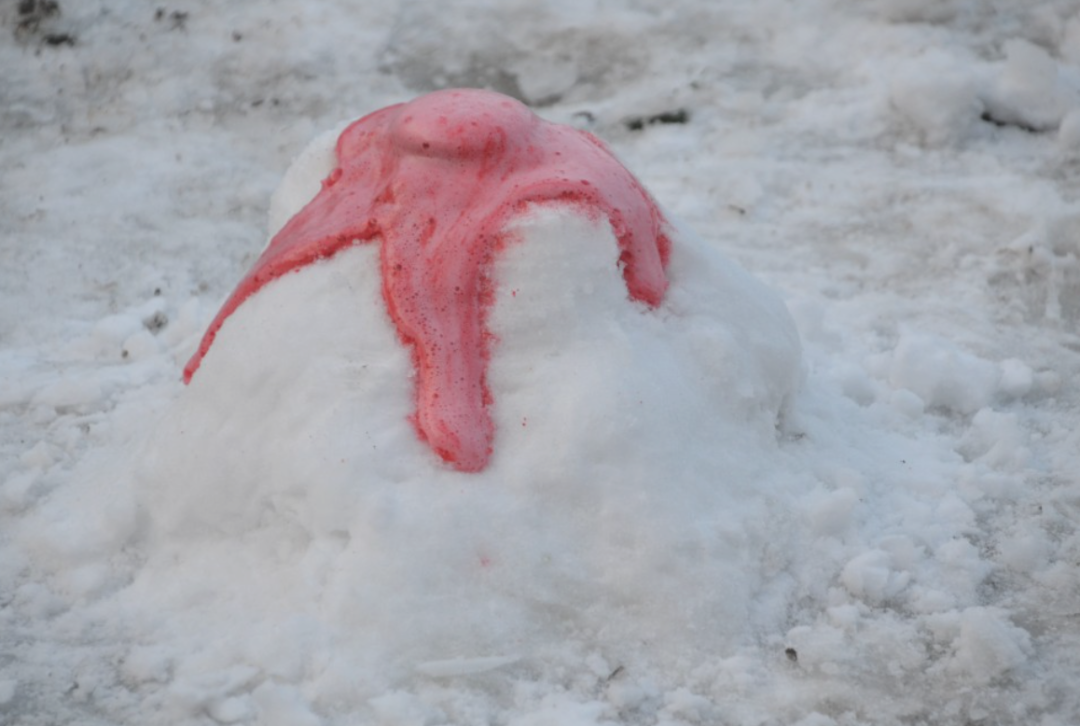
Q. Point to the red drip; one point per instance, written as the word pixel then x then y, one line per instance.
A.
pixel 436 180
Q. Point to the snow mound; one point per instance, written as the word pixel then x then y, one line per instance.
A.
pixel 628 460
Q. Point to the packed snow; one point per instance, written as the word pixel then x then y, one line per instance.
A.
pixel 830 480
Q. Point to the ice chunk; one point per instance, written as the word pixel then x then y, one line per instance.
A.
pixel 1028 91
pixel 939 98
pixel 942 374
pixel 872 578
pixel 988 645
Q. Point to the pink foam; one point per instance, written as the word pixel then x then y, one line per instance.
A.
pixel 436 180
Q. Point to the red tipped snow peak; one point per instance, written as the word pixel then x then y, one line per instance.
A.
pixel 435 181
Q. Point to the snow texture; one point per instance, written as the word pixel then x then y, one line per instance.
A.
pixel 653 544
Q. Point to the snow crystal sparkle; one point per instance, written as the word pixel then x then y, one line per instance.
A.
pixel 436 180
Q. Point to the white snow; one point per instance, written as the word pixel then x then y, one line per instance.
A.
pixel 272 545
pixel 1028 91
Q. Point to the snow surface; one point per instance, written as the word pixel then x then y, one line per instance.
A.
pixel 903 548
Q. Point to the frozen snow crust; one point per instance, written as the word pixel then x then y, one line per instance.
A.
pixel 902 550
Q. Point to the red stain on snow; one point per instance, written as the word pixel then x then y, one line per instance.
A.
pixel 435 181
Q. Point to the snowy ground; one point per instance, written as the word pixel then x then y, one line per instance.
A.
pixel 904 172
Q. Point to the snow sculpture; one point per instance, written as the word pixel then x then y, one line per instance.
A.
pixel 436 180
pixel 607 413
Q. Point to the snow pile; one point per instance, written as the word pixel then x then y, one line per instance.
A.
pixel 629 459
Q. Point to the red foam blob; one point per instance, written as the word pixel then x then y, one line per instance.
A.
pixel 435 181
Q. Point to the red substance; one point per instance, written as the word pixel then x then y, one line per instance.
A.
pixel 436 180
